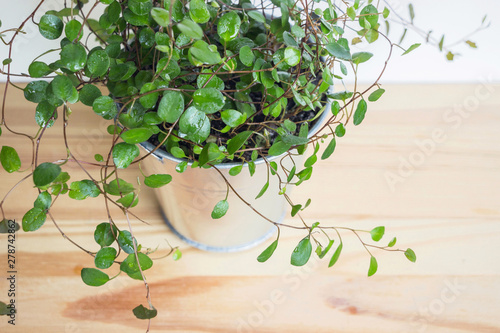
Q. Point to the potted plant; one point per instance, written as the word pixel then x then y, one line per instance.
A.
pixel 220 90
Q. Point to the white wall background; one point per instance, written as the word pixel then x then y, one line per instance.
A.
pixel 455 18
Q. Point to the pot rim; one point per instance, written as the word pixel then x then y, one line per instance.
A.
pixel 162 154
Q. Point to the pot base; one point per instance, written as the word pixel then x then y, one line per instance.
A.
pixel 222 249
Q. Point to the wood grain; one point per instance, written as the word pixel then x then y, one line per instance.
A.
pixel 444 204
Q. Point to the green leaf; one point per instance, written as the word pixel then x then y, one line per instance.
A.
pixel 238 141
pixel 373 266
pixel 278 148
pixel 386 12
pixel 338 51
pixel 342 95
pixel 157 180
pixel 209 153
pixel 62 87
pixel 10 159
pixel 377 233
pixel 105 257
pixel 105 234
pixel 134 19
pixel 4 310
pixel 392 242
pixel 335 108
pixel 147 38
pixel 150 98
pixel 140 312
pixel 129 200
pixel 295 209
pixel 44 113
pixel 336 255
pixel 50 26
pixel 98 62
pixel 131 268
pixel 360 112
pixel 125 240
pixel 302 253
pixel 235 170
pixel 327 76
pixel 167 68
pixel 268 252
pixel 208 100
pixel 201 51
pixel 39 69
pixel 198 11
pixel 136 135
pixel 190 29
pixel 114 12
pixel 273 166
pixel 257 16
pixel 374 96
pixel 266 77
pixel 410 255
pixel 411 48
pixel 325 251
pixel 290 125
pixel 83 189
pixel 34 219
pixel 45 174
pixel 311 160
pixel 177 255
pixel 161 16
pixel 340 130
pixel 351 12
pixel 114 189
pixel 293 140
pixel 124 154
pixel 72 30
pixel 35 91
pixel 228 26
pixel 177 152
pixel 209 81
pixel 89 93
pixel 94 277
pixel 171 106
pixel 43 201
pixel 247 57
pixel 151 118
pixel 6 61
pixel 412 12
pixel 233 118
pixel 73 57
pixel 289 39
pixel 195 125
pixel 403 36
pixel 360 57
pixel 140 7
pixel 368 14
pixel 6 226
pixel 263 190
pixel 220 209
pixel 441 43
pixel 290 177
pixel 298 31
pixel 292 56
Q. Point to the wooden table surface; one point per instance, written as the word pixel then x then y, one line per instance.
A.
pixel 425 163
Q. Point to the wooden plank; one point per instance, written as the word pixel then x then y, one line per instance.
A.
pixel 442 200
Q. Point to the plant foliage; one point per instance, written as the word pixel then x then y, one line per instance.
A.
pixel 209 82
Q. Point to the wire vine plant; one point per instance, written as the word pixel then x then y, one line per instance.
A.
pixel 208 82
